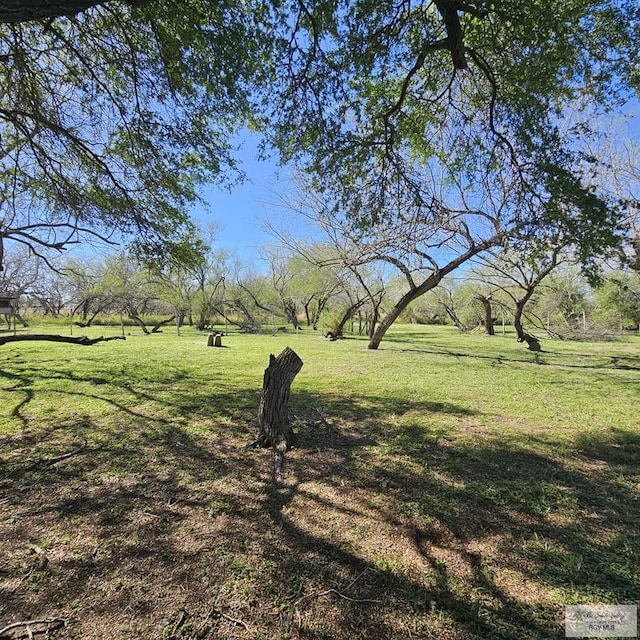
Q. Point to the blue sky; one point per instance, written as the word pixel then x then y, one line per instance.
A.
pixel 240 211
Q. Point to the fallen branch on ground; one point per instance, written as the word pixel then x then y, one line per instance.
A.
pixel 235 621
pixel 319 594
pixel 179 622
pixel 52 624
pixel 81 340
pixel 49 461
pixel 327 592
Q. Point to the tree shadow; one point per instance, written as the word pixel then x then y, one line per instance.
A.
pixel 163 528
pixel 494 511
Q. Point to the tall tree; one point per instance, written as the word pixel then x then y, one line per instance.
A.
pixel 565 300
pixel 282 278
pixel 373 95
pixel 130 287
pixel 421 244
pixel 88 294
pixel 21 273
pixel 619 299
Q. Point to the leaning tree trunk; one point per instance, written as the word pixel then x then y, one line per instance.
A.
pixel 532 342
pixel 139 321
pixel 162 323
pixel 454 318
pixel 275 427
pixel 348 314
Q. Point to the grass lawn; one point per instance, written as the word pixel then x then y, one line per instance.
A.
pixel 445 486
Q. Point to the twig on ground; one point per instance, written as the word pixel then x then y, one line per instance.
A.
pixel 179 622
pixel 240 622
pixel 40 564
pixel 358 577
pixel 49 461
pixel 319 594
pixel 51 625
pixel 327 592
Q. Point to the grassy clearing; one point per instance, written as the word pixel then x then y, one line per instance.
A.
pixel 445 486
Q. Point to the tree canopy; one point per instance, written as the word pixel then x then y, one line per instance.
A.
pixel 117 111
pixel 376 97
pixel 114 113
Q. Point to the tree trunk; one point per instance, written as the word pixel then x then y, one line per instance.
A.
pixel 348 315
pixel 517 320
pixel 139 321
pixel 322 303
pixel 162 323
pixel 20 319
pixel 488 314
pixel 429 283
pixel 275 428
pixel 532 342
pixel 86 323
pixel 307 314
pixel 454 318
pixel 380 331
pixel 375 314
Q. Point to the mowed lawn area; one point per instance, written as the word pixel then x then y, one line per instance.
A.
pixel 446 486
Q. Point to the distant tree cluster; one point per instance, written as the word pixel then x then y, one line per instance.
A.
pixel 431 135
pixel 324 293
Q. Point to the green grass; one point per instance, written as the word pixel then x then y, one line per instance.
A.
pixel 469 487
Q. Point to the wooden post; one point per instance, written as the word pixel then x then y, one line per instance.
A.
pixel 275 428
pixel 214 340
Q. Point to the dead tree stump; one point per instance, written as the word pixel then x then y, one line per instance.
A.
pixel 275 427
pixel 214 340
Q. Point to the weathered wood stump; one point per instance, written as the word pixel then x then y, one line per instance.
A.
pixel 214 340
pixel 275 427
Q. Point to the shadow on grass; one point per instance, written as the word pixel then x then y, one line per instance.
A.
pixel 159 529
pixel 500 515
pixel 560 359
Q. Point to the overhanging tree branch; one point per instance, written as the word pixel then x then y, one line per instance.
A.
pixel 15 11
